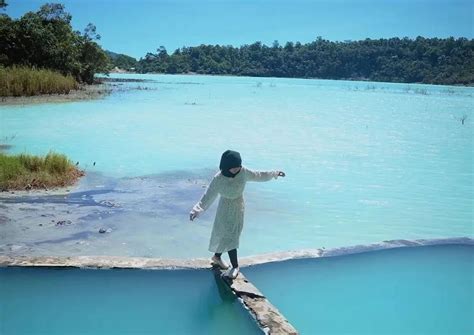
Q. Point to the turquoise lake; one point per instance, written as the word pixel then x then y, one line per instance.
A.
pixel 365 162
pixel 74 301
pixel 423 290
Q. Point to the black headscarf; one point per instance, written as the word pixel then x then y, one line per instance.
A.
pixel 230 159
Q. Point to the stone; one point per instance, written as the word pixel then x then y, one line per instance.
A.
pixel 63 222
pixel 14 247
pixel 103 230
pixel 108 203
pixel 241 286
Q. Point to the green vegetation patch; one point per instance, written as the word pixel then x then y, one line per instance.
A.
pixel 23 81
pixel 421 60
pixel 25 172
pixel 46 39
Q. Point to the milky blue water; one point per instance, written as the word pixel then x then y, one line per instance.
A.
pixel 423 290
pixel 74 301
pixel 365 162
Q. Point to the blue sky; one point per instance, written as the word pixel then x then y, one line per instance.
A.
pixel 135 27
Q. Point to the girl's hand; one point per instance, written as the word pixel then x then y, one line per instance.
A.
pixel 192 216
pixel 281 174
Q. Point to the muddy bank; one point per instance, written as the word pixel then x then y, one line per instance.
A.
pixel 101 89
pixel 85 92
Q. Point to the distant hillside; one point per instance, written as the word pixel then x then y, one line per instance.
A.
pixel 122 61
pixel 421 60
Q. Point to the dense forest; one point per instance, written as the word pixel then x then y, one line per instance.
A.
pixel 45 40
pixel 422 60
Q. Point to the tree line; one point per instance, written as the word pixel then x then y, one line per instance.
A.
pixel 45 39
pixel 420 60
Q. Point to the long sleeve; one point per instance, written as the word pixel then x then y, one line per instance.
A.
pixel 207 199
pixel 252 175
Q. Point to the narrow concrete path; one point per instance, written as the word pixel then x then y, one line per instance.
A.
pixel 269 319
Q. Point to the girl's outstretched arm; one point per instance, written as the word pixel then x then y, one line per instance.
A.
pixel 206 200
pixel 252 175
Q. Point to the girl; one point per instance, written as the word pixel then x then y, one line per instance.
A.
pixel 229 182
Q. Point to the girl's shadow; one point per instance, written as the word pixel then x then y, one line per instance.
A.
pixel 223 288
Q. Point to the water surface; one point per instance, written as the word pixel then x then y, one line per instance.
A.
pixel 78 301
pixel 422 290
pixel 365 162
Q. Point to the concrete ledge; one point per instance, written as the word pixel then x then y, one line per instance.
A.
pixel 267 316
pixel 105 262
pixel 110 262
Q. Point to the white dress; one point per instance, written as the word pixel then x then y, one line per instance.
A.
pixel 229 219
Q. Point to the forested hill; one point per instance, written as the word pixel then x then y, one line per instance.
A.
pixel 422 60
pixel 121 61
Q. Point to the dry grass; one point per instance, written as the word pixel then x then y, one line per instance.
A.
pixel 25 172
pixel 23 81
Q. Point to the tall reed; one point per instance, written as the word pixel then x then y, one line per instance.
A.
pixel 24 81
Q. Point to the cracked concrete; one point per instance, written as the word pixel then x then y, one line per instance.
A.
pixel 267 316
pixel 109 262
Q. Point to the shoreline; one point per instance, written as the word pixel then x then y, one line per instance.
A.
pixel 85 92
pixel 37 192
pixel 365 80
pixel 118 262
pixel 102 88
pixel 107 86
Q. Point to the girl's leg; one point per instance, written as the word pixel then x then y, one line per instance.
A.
pixel 218 254
pixel 233 258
